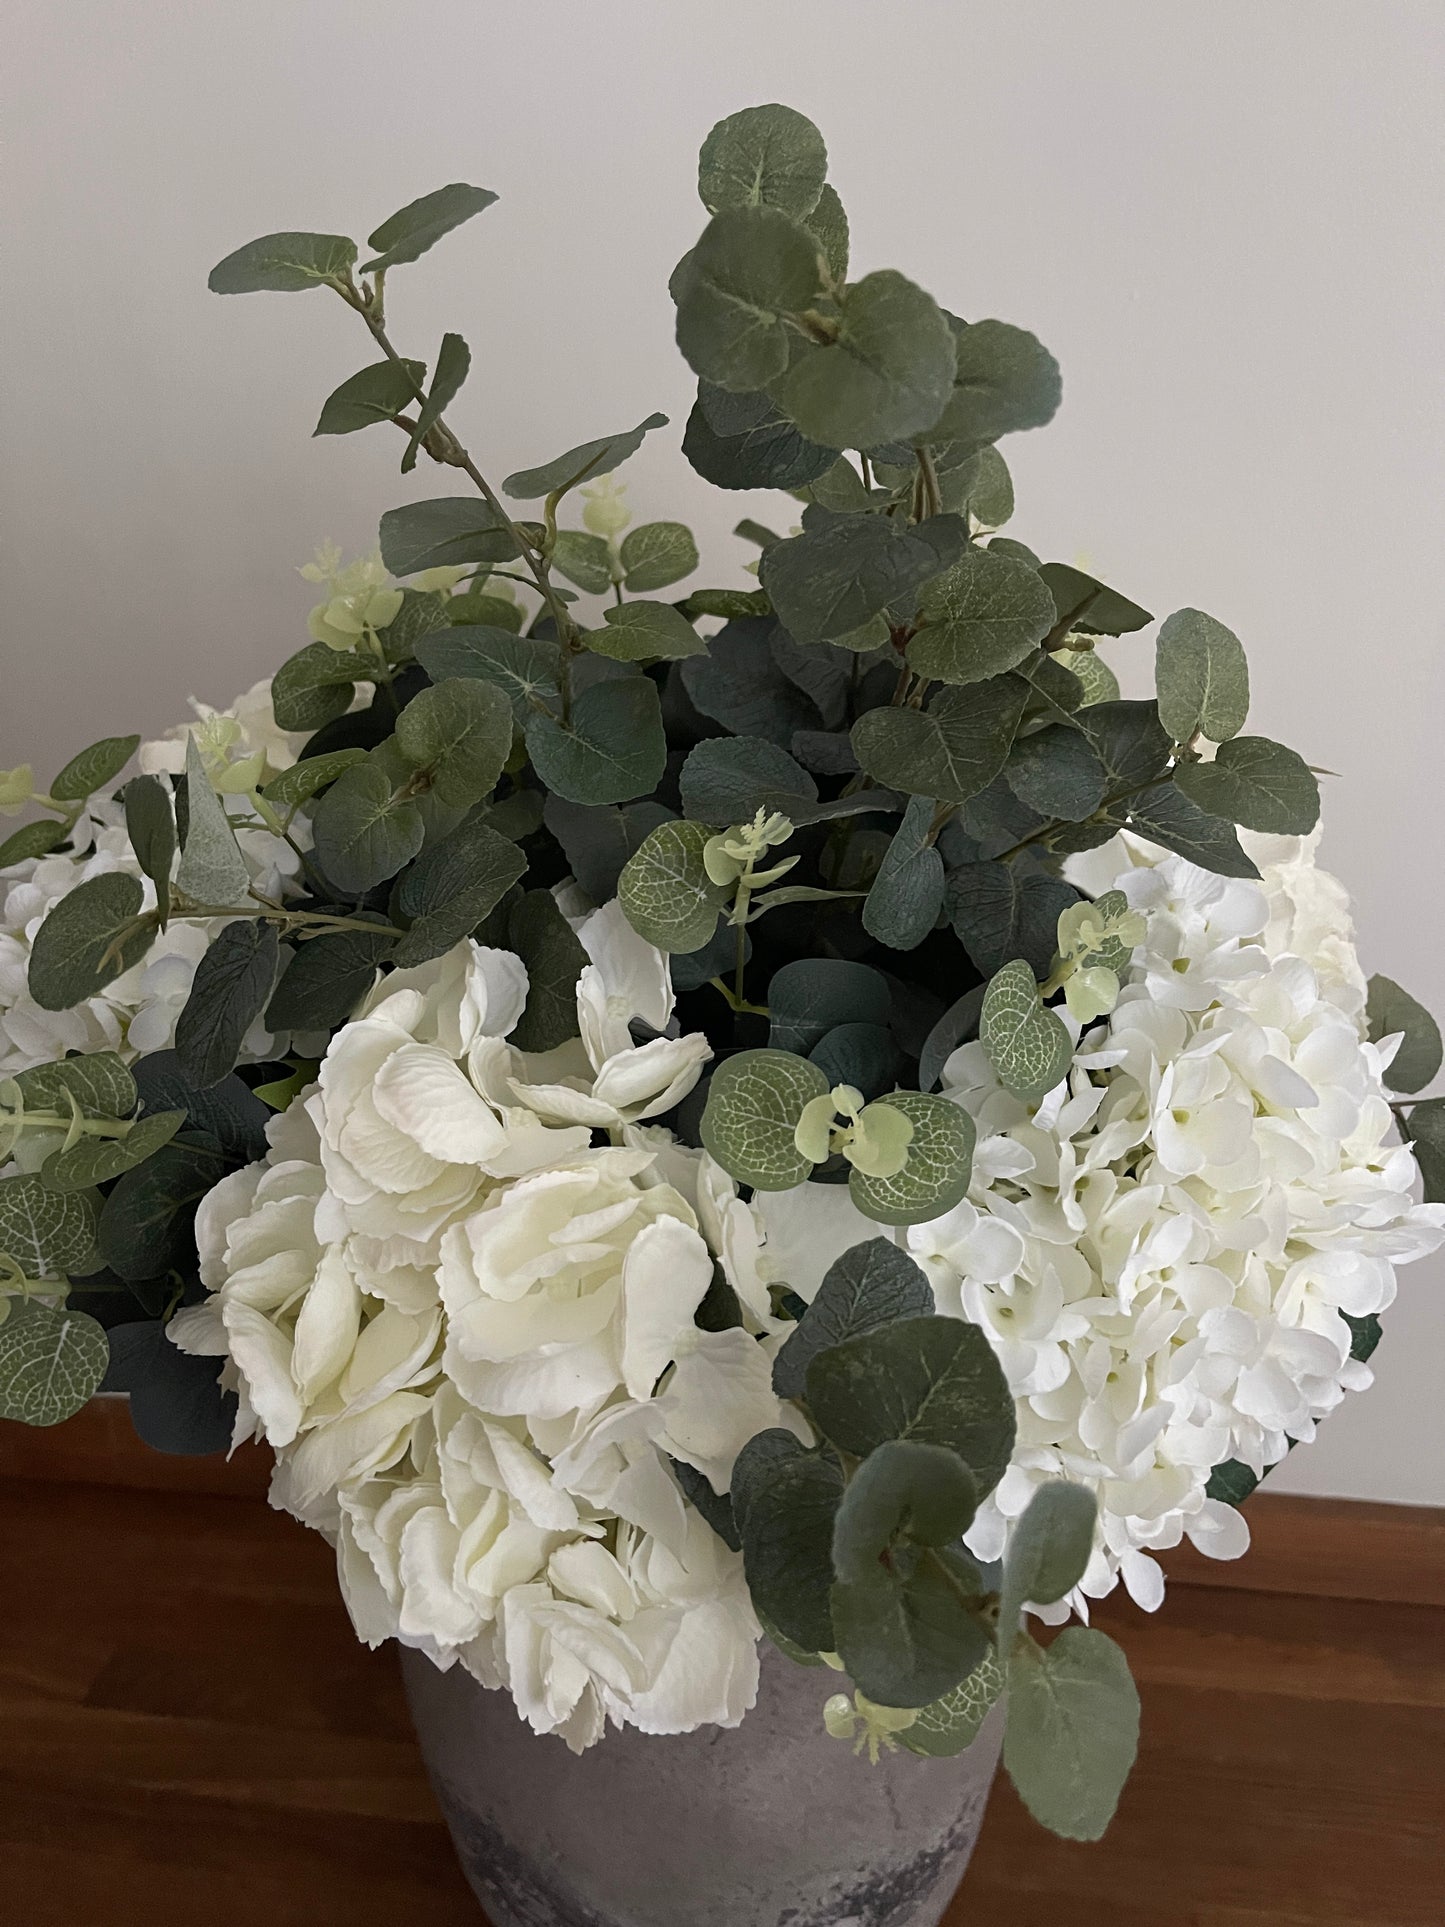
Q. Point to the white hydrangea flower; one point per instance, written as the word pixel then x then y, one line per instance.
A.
pixel 468 1331
pixel 137 1013
pixel 1165 1250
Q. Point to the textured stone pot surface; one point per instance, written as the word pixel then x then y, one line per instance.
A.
pixel 773 1824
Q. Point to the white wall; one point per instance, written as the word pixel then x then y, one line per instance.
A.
pixel 1225 220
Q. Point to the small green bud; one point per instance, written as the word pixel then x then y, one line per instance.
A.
pixel 17 786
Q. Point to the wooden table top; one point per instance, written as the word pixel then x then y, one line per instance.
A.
pixel 189 1733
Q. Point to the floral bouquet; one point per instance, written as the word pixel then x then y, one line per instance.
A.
pixel 789 1110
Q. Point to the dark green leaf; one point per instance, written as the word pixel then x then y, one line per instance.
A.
pixel 907 893
pixel 1232 1482
pixel 866 1056
pixel 1166 815
pixel 832 578
pixel 935 1380
pixel 145 1222
pixel 1425 1132
pixel 94 1160
pixel 813 995
pixel 90 938
pixel 1202 677
pixel 151 826
pixel 738 683
pixel 99 1082
pixel 598 841
pixel 231 988
pixel 1129 740
pixel 645 632
pixel 613 749
pixel 754 1102
pixel 785 1500
pixel 583 559
pixel 52 1360
pixel 1057 772
pixel 727 779
pixel 752 269
pixel 93 768
pixel 1048 1550
pixel 447 530
pixel 451 887
pixel 564 472
pixel 459 730
pixel 828 224
pixel 1257 783
pixel 1004 379
pixel 1392 1010
pixel 982 616
pixel 317 684
pixel 745 441
pixel 542 937
pixel 176 1401
pixel 885 375
pixel 951 750
pixel 326 979
pixel 525 668
pixel 871 1285
pixel 364 832
pixel 1001 912
pixel 302 781
pixel 285 264
pixel 376 394
pixel 31 840
pixel 419 225
pixel 656 554
pixel 957 1025
pixel 1073 1730
pixel 763 157
pixel 1087 606
pixel 453 365
pixel 945 1727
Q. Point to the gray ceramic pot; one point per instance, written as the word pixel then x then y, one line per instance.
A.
pixel 771 1825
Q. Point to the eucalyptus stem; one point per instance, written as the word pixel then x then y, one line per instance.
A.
pixel 928 476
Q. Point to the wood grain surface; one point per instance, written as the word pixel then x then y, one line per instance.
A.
pixel 189 1732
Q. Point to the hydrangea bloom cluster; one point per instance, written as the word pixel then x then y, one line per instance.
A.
pixel 136 1014
pixel 468 1330
pixel 1166 1251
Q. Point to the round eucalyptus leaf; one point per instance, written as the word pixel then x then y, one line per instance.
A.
pixel 665 890
pixel 981 617
pixel 645 632
pixel 1201 676
pixel 52 1360
pixel 613 749
pixel 767 156
pixel 1073 1730
pixel 94 1160
pixel 364 832
pixel 656 554
pixel 754 1103
pixel 753 268
pixel 461 731
pixel 939 1164
pixel 949 751
pixel 90 938
pixel 1028 1044
pixel 1256 783
pixel 284 264
pixel 1391 1009
pixel 49 1234
pixel 944 1727
pixel 885 375
pixel 1048 1551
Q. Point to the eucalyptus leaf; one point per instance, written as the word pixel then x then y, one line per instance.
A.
pixel 981 617
pixel 612 750
pixel 752 270
pixel 1166 815
pixel 541 936
pixel 453 365
pixel 873 1284
pixel 1073 1730
pixel 886 373
pixel 212 868
pixel 527 669
pixel 727 779
pixel 753 1105
pixel 763 157
pixel 743 440
pixel 285 264
pixel 942 1729
pixel 1088 606
pixel 907 893
pixel 99 1082
pixel 656 554
pixel 1057 772
pixel 785 1500
pixel 1424 1131
pixel 376 394
pixel 151 826
pixel 317 684
pixel 92 936
pixel 95 1160
pixel 448 530
pixel 936 1175
pixel 1202 677
pixel 326 979
pixel 833 577
pixel 584 559
pixel 598 840
pixel 93 768
pixel 565 472
pixel 460 731
pixel 32 840
pixel 48 1233
pixel 1000 912
pixel 934 1380
pixel 864 1056
pixel 1027 1044
pixel 451 887
pixel 231 988
pixel 364 831
pixel 738 683
pixel 951 750
pixel 52 1360
pixel 957 1025
pixel 645 632
pixel 814 995
pixel 147 1218
pixel 176 1401
pixel 1391 1010
pixel 304 779
pixel 407 234
pixel 666 892
pixel 1129 740
pixel 828 224
pixel 1257 783
pixel 1004 379
pixel 1048 1551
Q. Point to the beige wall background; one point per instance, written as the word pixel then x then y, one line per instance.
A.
pixel 1225 221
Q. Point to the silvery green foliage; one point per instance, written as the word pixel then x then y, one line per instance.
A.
pixel 839 797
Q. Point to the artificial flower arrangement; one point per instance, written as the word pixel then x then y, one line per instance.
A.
pixel 789 1110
